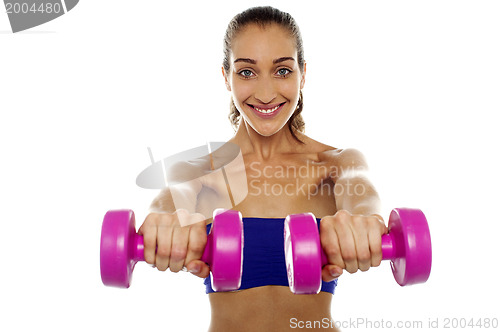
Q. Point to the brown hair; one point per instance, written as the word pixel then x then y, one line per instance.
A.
pixel 264 16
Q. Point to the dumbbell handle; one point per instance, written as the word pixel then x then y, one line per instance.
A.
pixel 389 250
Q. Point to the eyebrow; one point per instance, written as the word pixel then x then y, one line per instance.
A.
pixel 275 61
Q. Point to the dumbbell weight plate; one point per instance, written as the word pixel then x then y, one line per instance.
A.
pixel 302 253
pixel 226 262
pixel 118 239
pixel 412 258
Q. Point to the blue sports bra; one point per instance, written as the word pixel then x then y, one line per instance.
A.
pixel 264 256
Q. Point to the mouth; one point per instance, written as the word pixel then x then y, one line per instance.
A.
pixel 267 111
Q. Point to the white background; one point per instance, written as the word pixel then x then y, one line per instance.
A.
pixel 414 85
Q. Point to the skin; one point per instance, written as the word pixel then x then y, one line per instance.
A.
pixel 351 226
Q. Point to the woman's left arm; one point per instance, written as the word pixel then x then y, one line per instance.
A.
pixel 353 190
pixel 351 238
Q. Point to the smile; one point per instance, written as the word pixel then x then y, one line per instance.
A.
pixel 268 110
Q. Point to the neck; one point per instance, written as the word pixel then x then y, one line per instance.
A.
pixel 265 147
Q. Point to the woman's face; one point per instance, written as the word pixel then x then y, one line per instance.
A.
pixel 264 78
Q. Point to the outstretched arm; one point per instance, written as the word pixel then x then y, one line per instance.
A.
pixel 351 238
pixel 353 190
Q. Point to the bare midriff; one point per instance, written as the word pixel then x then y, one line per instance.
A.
pixel 270 308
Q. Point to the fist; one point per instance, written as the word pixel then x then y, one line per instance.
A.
pixel 167 244
pixel 351 242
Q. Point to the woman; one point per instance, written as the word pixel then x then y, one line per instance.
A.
pixel 264 70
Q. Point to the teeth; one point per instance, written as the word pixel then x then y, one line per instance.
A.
pixel 267 111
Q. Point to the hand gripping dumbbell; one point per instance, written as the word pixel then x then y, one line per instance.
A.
pixel 122 248
pixel 408 246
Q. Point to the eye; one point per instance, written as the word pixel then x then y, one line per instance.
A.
pixel 284 72
pixel 246 73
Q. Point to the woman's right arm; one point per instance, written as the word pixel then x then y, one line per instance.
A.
pixel 175 236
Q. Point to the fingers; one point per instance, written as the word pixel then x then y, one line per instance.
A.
pixel 197 238
pixel 168 245
pixel 363 254
pixel 165 230
pixel 330 242
pixel 330 272
pixel 338 241
pixel 352 242
pixel 375 239
pixel 181 240
pixel 198 268
pixel 148 230
pixel 347 241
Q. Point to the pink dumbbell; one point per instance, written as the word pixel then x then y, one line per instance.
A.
pixel 122 248
pixel 408 246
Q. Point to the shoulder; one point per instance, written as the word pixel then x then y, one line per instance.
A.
pixel 344 162
pixel 312 146
pixel 180 171
pixel 335 156
pixel 344 157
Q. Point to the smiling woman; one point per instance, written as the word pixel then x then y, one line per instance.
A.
pixel 264 70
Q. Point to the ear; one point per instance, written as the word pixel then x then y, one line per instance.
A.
pixel 303 79
pixel 228 86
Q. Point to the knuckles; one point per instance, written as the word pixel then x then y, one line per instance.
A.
pixel 349 255
pixel 362 222
pixel 364 257
pixel 198 246
pixel 167 220
pixel 342 215
pixel 344 218
pixel 178 253
pixel 341 219
pixel 163 251
pixel 149 242
pixel 375 222
pixel 155 220
pixel 331 250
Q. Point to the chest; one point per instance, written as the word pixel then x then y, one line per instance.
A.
pixel 272 189
pixel 288 186
pixel 289 178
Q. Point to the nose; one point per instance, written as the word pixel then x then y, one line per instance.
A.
pixel 266 90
